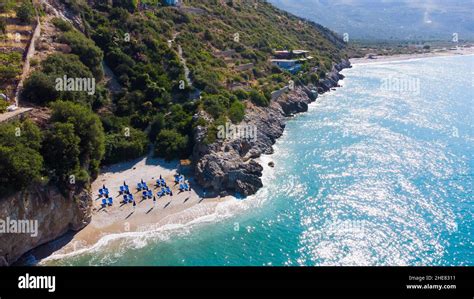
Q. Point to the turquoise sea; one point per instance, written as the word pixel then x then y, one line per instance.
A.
pixel 378 172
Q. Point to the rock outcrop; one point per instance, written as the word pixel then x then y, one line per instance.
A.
pixel 229 166
pixel 54 213
pixel 333 77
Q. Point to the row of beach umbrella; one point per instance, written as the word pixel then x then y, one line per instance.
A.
pixel 146 192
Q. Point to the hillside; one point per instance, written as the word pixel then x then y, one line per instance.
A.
pixel 151 69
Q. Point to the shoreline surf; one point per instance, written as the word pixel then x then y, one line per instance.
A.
pixel 408 57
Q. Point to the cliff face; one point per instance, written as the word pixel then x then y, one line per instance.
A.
pixel 54 214
pixel 229 166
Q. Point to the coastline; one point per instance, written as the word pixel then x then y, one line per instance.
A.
pixel 403 57
pixel 262 160
pixel 123 220
pixel 169 213
pixel 183 209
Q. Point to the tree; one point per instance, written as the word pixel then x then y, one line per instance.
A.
pixel 215 105
pixel 130 5
pixel 25 133
pixel 88 127
pixel 20 161
pixel 25 12
pixel 170 144
pixel 19 166
pixel 61 150
pixel 62 24
pixel 121 147
pixel 70 65
pixel 157 125
pixel 179 119
pixel 236 112
pixel 39 89
pixel 258 98
pixel 88 52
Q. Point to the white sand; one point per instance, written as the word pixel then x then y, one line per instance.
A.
pixel 181 208
pixel 401 57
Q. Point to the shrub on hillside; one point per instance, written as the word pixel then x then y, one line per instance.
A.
pixel 10 65
pixel 20 161
pixel 171 145
pixel 39 89
pixel 25 12
pixel 62 24
pixel 3 105
pixel 258 98
pixel 120 147
pixel 236 112
pixel 88 52
pixel 88 127
pixel 61 150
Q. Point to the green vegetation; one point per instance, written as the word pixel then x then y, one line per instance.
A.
pixel 7 5
pixel 125 146
pixel 10 65
pixel 141 48
pixel 25 12
pixel 89 131
pixel 236 112
pixel 40 87
pixel 62 25
pixel 135 47
pixel 170 143
pixel 3 105
pixel 61 150
pixel 130 5
pixel 84 62
pixel 258 98
pixel 86 50
pixel 20 160
pixel 73 145
pixel 3 25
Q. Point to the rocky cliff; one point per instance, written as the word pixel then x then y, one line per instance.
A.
pixel 54 213
pixel 229 166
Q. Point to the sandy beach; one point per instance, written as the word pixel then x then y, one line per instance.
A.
pixel 401 57
pixel 121 219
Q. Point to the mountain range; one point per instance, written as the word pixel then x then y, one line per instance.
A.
pixel 389 19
